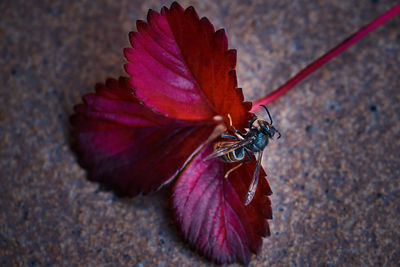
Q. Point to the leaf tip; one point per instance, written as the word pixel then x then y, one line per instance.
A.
pixel 176 6
pixel 131 37
pixel 191 12
pixel 248 105
pixel 221 40
pixel 141 25
pixel 205 23
pixel 151 15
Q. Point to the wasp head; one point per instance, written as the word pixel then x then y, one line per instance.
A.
pixel 266 127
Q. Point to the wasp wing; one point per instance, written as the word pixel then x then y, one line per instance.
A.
pixel 229 147
pixel 254 181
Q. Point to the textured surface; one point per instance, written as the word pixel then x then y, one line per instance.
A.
pixel 334 173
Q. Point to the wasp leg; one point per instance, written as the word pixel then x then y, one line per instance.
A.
pixel 248 155
pixel 279 134
pixel 231 170
pixel 230 137
pixel 250 158
pixel 238 133
pixel 252 121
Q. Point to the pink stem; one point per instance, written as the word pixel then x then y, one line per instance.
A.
pixel 325 58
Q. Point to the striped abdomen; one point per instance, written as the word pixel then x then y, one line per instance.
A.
pixel 232 156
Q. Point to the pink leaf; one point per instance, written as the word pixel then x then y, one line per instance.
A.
pixel 128 147
pixel 181 67
pixel 211 213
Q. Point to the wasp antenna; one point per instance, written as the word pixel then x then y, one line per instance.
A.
pixel 269 115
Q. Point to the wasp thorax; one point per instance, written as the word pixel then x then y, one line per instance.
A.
pixel 244 147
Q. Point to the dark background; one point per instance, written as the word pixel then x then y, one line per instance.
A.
pixel 334 173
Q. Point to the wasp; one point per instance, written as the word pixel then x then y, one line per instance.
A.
pixel 251 144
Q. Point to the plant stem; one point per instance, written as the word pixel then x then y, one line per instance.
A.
pixel 325 58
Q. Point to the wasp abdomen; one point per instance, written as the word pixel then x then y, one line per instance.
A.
pixel 233 156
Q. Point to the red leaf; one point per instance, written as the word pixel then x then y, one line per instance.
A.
pixel 181 67
pixel 183 72
pixel 128 147
pixel 211 213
